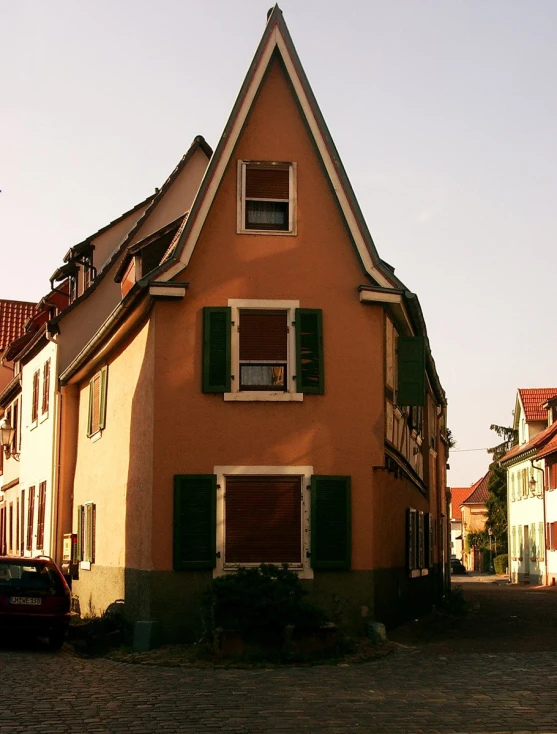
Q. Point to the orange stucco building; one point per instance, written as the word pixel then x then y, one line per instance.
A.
pixel 264 391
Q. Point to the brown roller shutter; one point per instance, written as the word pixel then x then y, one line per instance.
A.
pixel 263 519
pixel 267 183
pixel 263 335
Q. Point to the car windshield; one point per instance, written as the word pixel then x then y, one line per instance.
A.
pixel 28 575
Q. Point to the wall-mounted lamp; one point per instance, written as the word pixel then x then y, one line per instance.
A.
pixel 7 432
pixel 533 485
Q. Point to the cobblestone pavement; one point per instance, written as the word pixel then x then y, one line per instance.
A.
pixel 411 691
pixel 405 692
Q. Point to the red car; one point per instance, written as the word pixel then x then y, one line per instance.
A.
pixel 34 598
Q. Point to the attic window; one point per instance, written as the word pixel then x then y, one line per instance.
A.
pixel 266 197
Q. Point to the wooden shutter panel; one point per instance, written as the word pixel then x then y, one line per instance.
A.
pixel 411 370
pixel 40 515
pixel 102 397
pixel 263 335
pixel 310 377
pixel 35 406
pixel 30 518
pixel 267 183
pixel 195 498
pixel 430 540
pixel 216 349
pixel 46 386
pixel 331 523
pixel 79 553
pixel 89 521
pixel 263 519
pixel 411 539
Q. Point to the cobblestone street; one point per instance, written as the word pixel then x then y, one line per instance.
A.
pixel 415 689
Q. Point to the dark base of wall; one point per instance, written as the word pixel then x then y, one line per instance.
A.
pixel 350 599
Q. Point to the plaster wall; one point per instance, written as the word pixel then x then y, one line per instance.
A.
pixel 114 470
pixel 38 443
pixel 340 432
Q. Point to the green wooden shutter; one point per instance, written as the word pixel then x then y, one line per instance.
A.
pixel 79 554
pixel 195 501
pixel 102 413
pixel 411 370
pixel 331 526
pixel 216 349
pixel 430 540
pixel 310 377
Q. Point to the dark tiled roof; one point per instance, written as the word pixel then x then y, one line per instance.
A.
pixel 13 317
pixel 533 400
pixel 479 493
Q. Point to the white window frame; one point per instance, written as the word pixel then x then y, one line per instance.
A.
pixel 304 570
pixel 284 396
pixel 292 200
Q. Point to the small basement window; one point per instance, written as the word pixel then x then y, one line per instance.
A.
pixel 266 197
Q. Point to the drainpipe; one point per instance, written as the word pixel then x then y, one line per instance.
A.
pixel 544 523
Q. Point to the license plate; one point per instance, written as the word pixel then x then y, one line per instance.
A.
pixel 33 601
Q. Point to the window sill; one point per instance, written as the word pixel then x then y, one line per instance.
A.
pixel 303 572
pixel 85 565
pixel 43 417
pixel 270 232
pixel 33 424
pixel 95 436
pixel 270 397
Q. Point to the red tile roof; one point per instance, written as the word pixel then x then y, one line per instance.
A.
pixel 533 400
pixel 13 317
pixel 550 447
pixel 458 495
pixel 479 494
pixel 538 442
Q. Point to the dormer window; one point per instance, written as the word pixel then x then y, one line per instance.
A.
pixel 266 202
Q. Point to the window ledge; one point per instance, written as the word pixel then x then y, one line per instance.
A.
pixel 85 565
pixel 43 417
pixel 271 232
pixel 415 573
pixel 271 397
pixel 95 436
pixel 33 424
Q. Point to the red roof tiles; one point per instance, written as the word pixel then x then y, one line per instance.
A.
pixel 533 400
pixel 458 495
pixel 13 317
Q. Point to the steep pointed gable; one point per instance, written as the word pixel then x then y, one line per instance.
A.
pixel 276 42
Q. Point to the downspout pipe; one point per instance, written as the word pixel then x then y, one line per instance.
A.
pixel 544 523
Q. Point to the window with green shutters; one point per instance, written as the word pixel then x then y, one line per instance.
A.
pixel 411 371
pixel 263 350
pixel 331 525
pixel 195 521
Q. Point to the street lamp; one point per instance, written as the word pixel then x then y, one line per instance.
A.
pixel 491 566
pixel 7 432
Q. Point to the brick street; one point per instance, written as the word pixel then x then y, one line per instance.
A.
pixel 413 690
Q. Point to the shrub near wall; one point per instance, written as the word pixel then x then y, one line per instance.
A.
pixel 501 563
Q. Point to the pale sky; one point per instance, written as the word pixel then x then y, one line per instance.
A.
pixel 444 113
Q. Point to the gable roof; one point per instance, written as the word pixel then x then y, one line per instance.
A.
pixel 13 317
pixel 539 441
pixel 533 399
pixel 458 495
pixel 479 494
pixel 276 40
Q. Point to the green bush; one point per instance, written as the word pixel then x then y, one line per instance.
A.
pixel 501 563
pixel 259 603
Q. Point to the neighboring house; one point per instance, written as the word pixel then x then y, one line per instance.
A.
pixel 36 509
pixel 13 317
pixel 527 464
pixel 458 495
pixel 474 517
pixel 263 392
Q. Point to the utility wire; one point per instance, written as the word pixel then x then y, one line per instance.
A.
pixel 455 451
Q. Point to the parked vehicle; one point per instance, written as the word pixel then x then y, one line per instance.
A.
pixel 34 599
pixel 457 567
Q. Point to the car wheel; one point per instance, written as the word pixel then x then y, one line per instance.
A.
pixel 56 639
